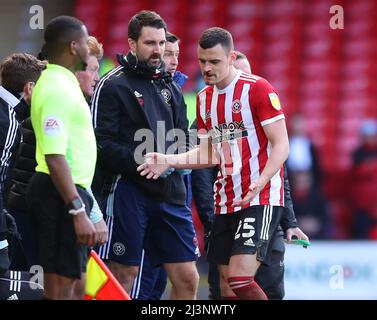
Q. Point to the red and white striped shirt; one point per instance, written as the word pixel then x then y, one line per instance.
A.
pixel 233 117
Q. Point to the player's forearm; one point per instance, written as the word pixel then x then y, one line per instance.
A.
pixel 278 156
pixel 194 159
pixel 61 177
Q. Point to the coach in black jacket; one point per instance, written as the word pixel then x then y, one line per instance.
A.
pixel 19 72
pixel 135 107
pixel 124 103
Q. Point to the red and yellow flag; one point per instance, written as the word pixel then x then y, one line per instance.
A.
pixel 100 282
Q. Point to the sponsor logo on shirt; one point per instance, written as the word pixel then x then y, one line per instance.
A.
pixel 228 131
pixel 52 126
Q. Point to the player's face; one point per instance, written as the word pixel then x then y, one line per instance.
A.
pixel 171 55
pixel 150 46
pixel 89 78
pixel 214 64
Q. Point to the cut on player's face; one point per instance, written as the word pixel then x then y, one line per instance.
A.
pixel 150 46
pixel 214 64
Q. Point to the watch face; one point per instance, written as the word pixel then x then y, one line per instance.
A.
pixel 76 204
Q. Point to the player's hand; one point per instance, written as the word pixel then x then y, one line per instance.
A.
pixel 296 232
pixel 254 189
pixel 84 228
pixel 154 165
pixel 102 232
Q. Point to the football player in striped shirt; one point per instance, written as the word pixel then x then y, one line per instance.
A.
pixel 242 130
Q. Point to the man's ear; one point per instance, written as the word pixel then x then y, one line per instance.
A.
pixel 132 44
pixel 28 88
pixel 72 48
pixel 232 56
pixel 27 91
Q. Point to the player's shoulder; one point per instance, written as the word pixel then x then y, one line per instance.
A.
pixel 251 78
pixel 206 90
pixel 114 76
pixel 257 83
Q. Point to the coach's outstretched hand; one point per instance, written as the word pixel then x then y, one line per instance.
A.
pixel 154 165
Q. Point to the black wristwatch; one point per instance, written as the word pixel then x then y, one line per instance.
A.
pixel 76 206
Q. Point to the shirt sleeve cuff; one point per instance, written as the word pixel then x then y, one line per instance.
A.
pixel 272 120
pixel 204 136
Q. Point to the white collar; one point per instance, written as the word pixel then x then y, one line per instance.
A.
pixel 8 97
pixel 231 84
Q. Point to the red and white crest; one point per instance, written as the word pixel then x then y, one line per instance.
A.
pixel 236 106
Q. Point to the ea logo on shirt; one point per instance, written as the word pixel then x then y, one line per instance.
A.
pixel 166 95
pixel 119 249
pixel 52 126
pixel 237 106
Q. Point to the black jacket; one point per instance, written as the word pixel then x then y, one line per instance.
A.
pixel 13 111
pixel 23 169
pixel 119 108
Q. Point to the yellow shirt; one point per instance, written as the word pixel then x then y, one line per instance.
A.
pixel 62 124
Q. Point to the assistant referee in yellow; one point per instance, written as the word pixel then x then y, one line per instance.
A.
pixel 66 156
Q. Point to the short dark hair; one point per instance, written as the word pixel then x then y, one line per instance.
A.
pixel 240 55
pixel 18 69
pixel 170 37
pixel 60 32
pixel 144 19
pixel 214 36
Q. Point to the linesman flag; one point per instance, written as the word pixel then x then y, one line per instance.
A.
pixel 100 282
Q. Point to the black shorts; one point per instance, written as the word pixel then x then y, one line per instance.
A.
pixel 269 276
pixel 248 231
pixel 58 250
